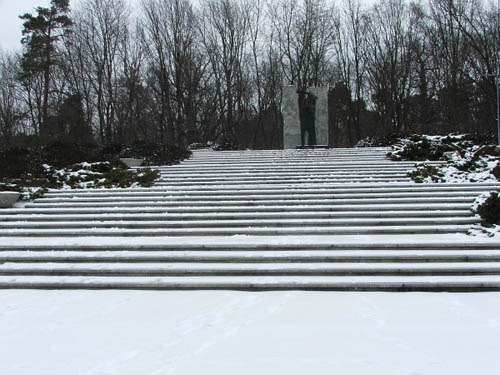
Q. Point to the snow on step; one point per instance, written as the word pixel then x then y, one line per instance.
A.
pixel 63 209
pixel 310 196
pixel 62 217
pixel 260 283
pixel 264 203
pixel 232 231
pixel 325 188
pixel 240 223
pixel 328 189
pixel 251 256
pixel 249 269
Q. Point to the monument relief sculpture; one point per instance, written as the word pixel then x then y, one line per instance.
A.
pixel 305 110
pixel 307 114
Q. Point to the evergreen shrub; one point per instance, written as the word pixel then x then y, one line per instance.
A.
pixel 490 209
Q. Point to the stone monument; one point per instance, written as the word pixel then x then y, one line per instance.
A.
pixel 291 116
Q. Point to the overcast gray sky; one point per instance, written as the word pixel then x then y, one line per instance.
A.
pixel 11 25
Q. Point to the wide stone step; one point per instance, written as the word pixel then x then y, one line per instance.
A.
pixel 246 269
pixel 263 203
pixel 294 179
pixel 334 189
pixel 105 216
pixel 280 188
pixel 256 223
pixel 257 231
pixel 275 161
pixel 296 151
pixel 140 208
pixel 334 170
pixel 307 180
pixel 236 177
pixel 305 169
pixel 284 161
pixel 353 255
pixel 246 197
pixel 246 283
pixel 262 154
pixel 255 243
pixel 299 161
pixel 245 157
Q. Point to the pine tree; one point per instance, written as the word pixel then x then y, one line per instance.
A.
pixel 40 34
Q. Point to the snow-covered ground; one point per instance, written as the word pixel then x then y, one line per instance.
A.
pixel 141 332
pixel 110 332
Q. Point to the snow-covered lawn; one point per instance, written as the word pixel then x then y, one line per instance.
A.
pixel 146 333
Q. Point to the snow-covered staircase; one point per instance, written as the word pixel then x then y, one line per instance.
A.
pixel 339 219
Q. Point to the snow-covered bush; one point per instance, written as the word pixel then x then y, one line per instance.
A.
pixel 379 141
pixel 489 210
pixel 101 174
pixel 34 167
pixel 427 147
pixel 79 176
pixel 420 148
pixel 466 158
pixel 367 142
pixel 152 153
pixel 199 145
pixel 226 145
pixel 426 173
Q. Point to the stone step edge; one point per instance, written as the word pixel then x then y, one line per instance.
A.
pixel 227 194
pixel 251 223
pixel 236 268
pixel 246 256
pixel 237 209
pixel 370 283
pixel 222 246
pixel 285 171
pixel 291 182
pixel 265 179
pixel 257 272
pixel 333 186
pixel 257 204
pixel 256 231
pixel 298 163
pixel 104 216
pixel 233 197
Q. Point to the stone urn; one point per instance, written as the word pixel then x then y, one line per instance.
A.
pixel 8 198
pixel 132 162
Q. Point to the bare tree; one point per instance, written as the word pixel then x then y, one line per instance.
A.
pixel 102 28
pixel 390 62
pixel 478 23
pixel 267 80
pixel 304 32
pixel 450 59
pixel 350 47
pixel 224 29
pixel 176 66
pixel 11 107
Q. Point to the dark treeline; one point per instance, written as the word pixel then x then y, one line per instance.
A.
pixel 172 71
